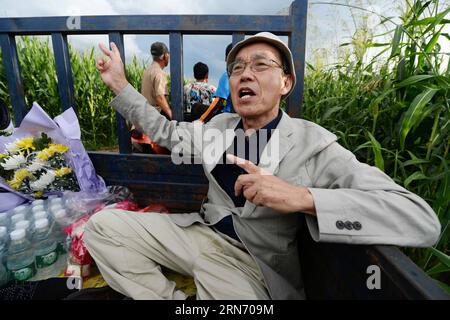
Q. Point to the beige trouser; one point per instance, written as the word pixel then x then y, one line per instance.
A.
pixel 129 247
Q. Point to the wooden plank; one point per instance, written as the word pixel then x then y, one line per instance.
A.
pixel 339 271
pixel 297 44
pixel 149 24
pixel 123 131
pixel 176 75
pixel 12 70
pixel 139 168
pixel 406 275
pixel 63 71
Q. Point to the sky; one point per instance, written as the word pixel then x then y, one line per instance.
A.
pixel 328 25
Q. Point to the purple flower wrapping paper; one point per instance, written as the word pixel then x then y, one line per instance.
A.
pixel 64 129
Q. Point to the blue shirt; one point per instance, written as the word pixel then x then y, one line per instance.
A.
pixel 223 91
pixel 227 174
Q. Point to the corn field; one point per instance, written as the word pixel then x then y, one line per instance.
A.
pixel 392 112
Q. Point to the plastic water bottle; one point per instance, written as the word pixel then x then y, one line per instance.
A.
pixel 4 220
pixel 16 218
pixel 20 257
pixel 56 201
pixel 63 240
pixel 45 250
pixel 26 225
pixel 37 209
pixel 55 207
pixel 38 202
pixel 4 278
pixel 23 209
pixel 3 243
pixel 40 215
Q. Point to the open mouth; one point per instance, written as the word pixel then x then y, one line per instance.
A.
pixel 246 93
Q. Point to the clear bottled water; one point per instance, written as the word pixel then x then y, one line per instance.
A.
pixel 26 225
pixel 3 243
pixel 16 218
pixel 38 202
pixel 61 221
pixel 40 215
pixel 22 209
pixel 45 250
pixel 3 246
pixel 4 219
pixel 37 209
pixel 20 260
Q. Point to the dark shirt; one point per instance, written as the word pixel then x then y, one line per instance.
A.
pixel 227 173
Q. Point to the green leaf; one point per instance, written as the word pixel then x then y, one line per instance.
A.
pixel 443 258
pixel 396 40
pixel 439 18
pixel 415 162
pixel 427 21
pixel 437 269
pixel 375 45
pixel 429 47
pixel 414 79
pixel 376 147
pixel 415 176
pixel 414 114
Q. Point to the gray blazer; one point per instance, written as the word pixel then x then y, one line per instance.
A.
pixel 355 203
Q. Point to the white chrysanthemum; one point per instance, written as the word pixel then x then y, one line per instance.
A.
pixel 11 147
pixel 14 162
pixel 42 183
pixel 35 166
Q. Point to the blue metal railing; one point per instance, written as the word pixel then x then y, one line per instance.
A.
pixel 292 25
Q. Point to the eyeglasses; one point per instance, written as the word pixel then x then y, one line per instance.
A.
pixel 256 65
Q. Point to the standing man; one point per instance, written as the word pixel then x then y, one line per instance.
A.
pixel 154 80
pixel 154 89
pixel 199 94
pixel 223 89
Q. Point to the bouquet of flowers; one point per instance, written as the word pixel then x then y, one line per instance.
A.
pixel 44 156
pixel 36 166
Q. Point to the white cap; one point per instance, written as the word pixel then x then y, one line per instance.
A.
pixel 24 224
pixel 38 208
pixel 40 215
pixel 3 231
pixel 17 234
pixel 55 200
pixel 3 216
pixel 272 40
pixel 38 202
pixel 60 214
pixel 53 196
pixel 41 223
pixel 17 217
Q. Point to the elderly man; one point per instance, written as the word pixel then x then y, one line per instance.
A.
pixel 242 244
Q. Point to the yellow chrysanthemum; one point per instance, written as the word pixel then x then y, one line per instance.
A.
pixel 2 155
pixel 25 144
pixel 19 176
pixel 58 148
pixel 47 153
pixel 14 184
pixel 38 194
pixel 62 171
pixel 44 154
